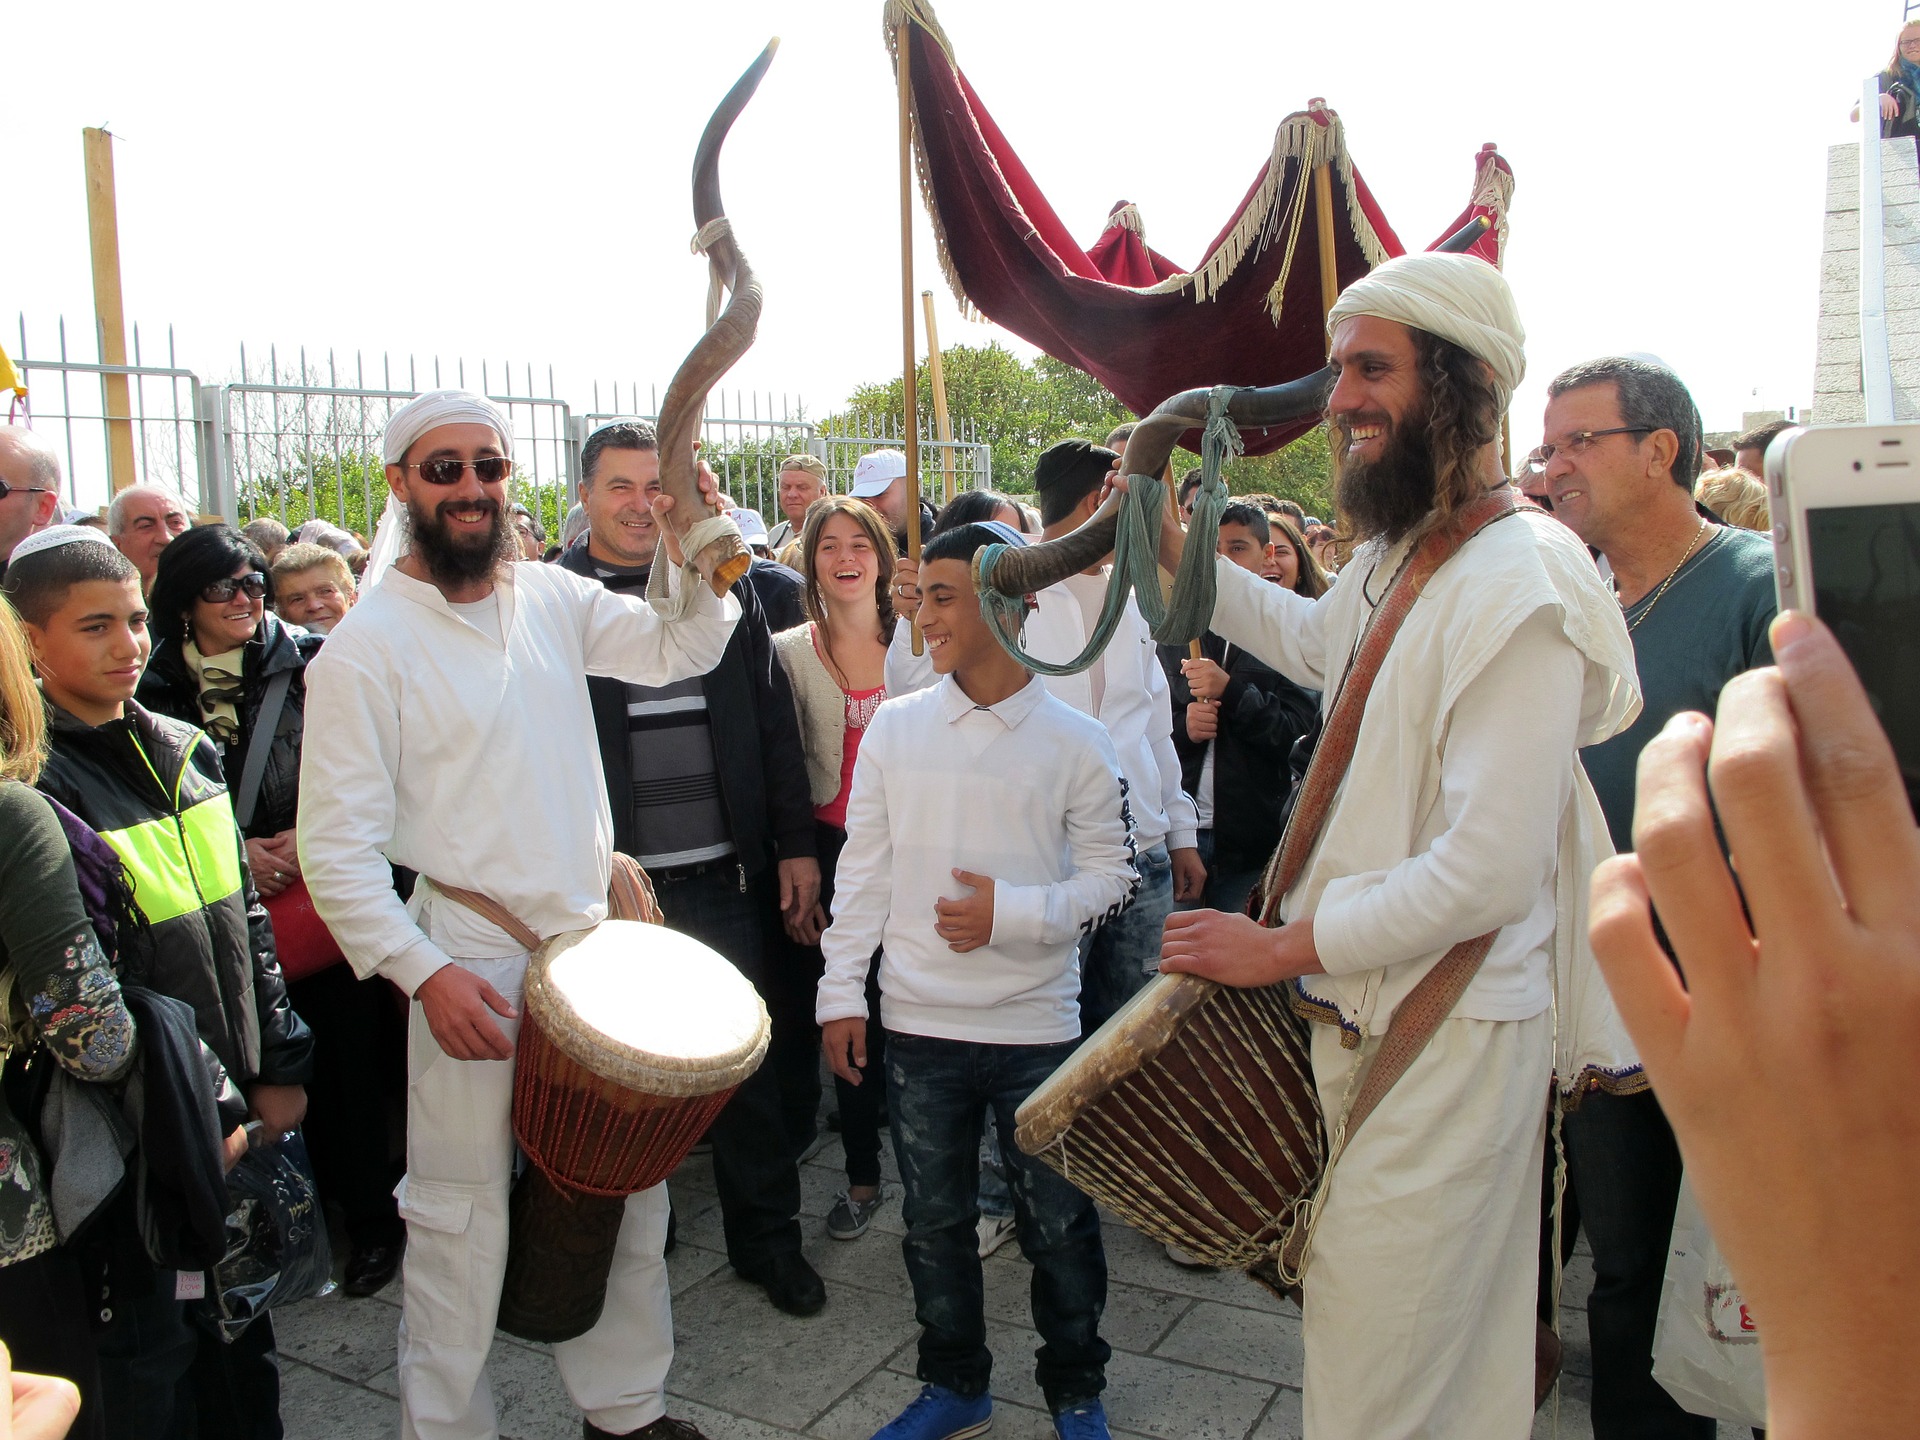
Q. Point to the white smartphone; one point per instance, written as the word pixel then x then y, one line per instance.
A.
pixel 1846 546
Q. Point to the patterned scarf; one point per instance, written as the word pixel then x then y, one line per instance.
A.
pixel 219 679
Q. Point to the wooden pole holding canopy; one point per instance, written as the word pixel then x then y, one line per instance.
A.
pixel 937 375
pixel 909 387
pixel 103 233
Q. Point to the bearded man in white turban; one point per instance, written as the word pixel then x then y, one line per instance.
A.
pixel 1464 811
pixel 456 676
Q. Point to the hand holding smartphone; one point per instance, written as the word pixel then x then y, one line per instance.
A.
pixel 1846 541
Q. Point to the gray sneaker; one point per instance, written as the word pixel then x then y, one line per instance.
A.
pixel 849 1218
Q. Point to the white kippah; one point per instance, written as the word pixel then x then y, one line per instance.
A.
pixel 54 536
pixel 442 407
pixel 1457 297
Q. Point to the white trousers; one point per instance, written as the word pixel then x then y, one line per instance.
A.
pixel 454 1199
pixel 1419 1294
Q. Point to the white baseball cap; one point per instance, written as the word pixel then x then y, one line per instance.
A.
pixel 877 470
pixel 753 529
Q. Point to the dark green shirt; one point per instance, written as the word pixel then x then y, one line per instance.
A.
pixel 1710 625
pixel 64 993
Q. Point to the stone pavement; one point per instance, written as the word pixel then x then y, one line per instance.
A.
pixel 1197 1355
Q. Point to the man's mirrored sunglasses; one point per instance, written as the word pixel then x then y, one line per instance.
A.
pixel 491 470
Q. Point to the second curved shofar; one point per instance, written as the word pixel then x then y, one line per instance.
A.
pixel 1032 568
pixel 727 339
pixel 1025 571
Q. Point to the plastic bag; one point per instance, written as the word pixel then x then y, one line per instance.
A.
pixel 277 1246
pixel 1706 1349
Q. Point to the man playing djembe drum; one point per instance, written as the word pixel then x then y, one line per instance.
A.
pixel 456 677
pixel 1421 1263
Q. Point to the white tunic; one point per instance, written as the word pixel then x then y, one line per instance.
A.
pixel 440 747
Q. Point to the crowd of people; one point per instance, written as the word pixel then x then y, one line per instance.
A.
pixel 249 774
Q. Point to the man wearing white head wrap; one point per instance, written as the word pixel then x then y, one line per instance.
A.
pixel 1422 1260
pixel 437 695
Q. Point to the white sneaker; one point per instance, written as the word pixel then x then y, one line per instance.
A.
pixel 1186 1259
pixel 995 1231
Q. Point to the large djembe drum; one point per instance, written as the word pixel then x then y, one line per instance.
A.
pixel 1192 1115
pixel 635 1038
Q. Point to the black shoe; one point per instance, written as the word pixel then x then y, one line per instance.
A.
pixel 665 1428
pixel 371 1267
pixel 791 1284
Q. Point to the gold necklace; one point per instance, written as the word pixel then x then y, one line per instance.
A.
pixel 1634 624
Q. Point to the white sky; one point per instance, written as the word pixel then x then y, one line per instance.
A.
pixel 512 181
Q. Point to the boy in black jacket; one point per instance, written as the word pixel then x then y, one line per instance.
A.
pixel 153 788
pixel 1235 722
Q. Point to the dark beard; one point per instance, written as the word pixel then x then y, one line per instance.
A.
pixel 1390 495
pixel 452 560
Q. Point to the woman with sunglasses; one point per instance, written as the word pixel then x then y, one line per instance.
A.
pixel 218 651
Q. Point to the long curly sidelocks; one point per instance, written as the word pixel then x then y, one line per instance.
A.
pixel 1034 567
pixel 727 339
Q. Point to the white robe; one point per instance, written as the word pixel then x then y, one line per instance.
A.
pixel 470 756
pixel 1465 809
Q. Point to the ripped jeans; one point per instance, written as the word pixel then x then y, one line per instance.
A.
pixel 937 1093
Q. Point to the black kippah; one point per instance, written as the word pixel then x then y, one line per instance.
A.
pixel 1080 463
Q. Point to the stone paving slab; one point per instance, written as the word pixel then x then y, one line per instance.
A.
pixel 1198 1355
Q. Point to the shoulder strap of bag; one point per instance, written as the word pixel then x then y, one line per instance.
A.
pixel 254 769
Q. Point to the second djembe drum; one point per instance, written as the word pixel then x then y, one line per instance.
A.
pixel 1191 1114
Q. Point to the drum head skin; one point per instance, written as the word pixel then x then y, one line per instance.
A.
pixel 648 1008
pixel 1138 1032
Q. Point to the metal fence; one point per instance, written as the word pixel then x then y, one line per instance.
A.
pixel 298 437
pixel 67 402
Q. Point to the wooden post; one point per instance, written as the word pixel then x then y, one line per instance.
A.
pixel 909 387
pixel 1323 220
pixel 936 373
pixel 103 230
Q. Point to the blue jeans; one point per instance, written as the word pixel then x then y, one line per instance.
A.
pixel 1226 889
pixel 1117 959
pixel 937 1091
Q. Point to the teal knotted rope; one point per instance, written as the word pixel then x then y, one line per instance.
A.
pixel 1136 559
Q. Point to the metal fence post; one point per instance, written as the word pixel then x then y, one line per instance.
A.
pixel 217 493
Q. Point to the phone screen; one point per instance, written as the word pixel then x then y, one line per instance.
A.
pixel 1866 587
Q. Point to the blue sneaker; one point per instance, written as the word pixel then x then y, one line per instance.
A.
pixel 939 1414
pixel 1085 1421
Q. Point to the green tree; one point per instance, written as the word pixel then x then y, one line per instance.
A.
pixel 1020 407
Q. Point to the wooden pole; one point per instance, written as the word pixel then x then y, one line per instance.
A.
pixel 910 389
pixel 1323 220
pixel 936 372
pixel 103 231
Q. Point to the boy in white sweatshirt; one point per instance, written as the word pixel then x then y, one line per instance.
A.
pixel 987 831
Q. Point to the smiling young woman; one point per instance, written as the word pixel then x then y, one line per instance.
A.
pixel 837 664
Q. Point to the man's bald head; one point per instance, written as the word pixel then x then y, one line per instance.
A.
pixel 30 469
pixel 143 520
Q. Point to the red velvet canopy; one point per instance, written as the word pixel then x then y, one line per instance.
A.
pixel 1145 327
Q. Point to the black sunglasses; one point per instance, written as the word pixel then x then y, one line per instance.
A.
pixel 6 490
pixel 221 591
pixel 491 469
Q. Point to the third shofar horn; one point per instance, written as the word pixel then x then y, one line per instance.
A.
pixel 726 340
pixel 1023 571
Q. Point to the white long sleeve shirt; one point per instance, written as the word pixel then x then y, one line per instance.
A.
pixel 1028 792
pixel 1135 705
pixel 466 751
pixel 1465 778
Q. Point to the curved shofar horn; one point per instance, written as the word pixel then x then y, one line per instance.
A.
pixel 726 340
pixel 1034 567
